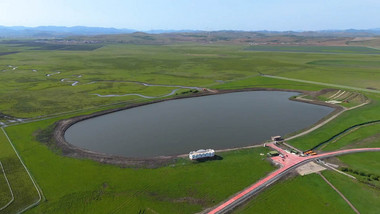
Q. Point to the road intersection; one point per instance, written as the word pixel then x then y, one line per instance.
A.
pixel 288 162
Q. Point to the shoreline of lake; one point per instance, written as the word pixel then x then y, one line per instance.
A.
pixel 71 150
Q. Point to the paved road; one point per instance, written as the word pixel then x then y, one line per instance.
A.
pixel 317 126
pixel 325 84
pixel 323 123
pixel 288 162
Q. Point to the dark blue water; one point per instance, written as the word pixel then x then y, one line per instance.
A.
pixel 180 126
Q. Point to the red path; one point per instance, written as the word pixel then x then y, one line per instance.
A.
pixel 289 160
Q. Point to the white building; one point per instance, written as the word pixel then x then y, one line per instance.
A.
pixel 201 154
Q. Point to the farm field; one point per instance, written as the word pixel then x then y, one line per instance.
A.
pixel 43 80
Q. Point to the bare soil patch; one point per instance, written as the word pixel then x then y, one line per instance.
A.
pixel 309 168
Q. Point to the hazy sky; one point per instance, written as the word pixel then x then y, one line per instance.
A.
pixel 194 14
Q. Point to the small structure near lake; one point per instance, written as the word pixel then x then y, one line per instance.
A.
pixel 273 154
pixel 202 153
pixel 277 138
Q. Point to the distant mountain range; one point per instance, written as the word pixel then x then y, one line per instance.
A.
pixel 60 32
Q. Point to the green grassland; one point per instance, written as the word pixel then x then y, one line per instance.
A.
pixel 306 194
pixel 317 49
pixel 312 195
pixel 23 189
pixel 83 186
pixel 364 198
pixel 296 195
pixel 28 93
pixel 366 136
pixel 347 119
pixel 367 162
pixel 77 186
pixel 364 166
pixel 5 194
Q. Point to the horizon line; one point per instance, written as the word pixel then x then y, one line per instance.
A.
pixel 204 30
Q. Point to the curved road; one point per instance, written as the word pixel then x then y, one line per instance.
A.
pixel 289 162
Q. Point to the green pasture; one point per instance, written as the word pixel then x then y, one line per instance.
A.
pixel 364 198
pixel 111 69
pixel 368 162
pixel 317 49
pixel 347 119
pixel 306 194
pixel 5 194
pixel 366 136
pixel 23 189
pixel 83 186
pixel 311 194
pixel 78 186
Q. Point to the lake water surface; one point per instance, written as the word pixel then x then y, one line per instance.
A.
pixel 180 126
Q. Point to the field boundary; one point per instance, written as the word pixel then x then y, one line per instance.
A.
pixel 30 176
pixel 10 188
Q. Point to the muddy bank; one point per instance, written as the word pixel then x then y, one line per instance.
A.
pixel 73 151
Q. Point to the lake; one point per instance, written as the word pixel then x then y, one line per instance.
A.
pixel 179 126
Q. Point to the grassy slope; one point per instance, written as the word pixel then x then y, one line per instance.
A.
pixel 368 162
pixel 363 114
pixel 85 186
pixel 367 136
pixel 307 194
pixel 23 189
pixel 364 198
